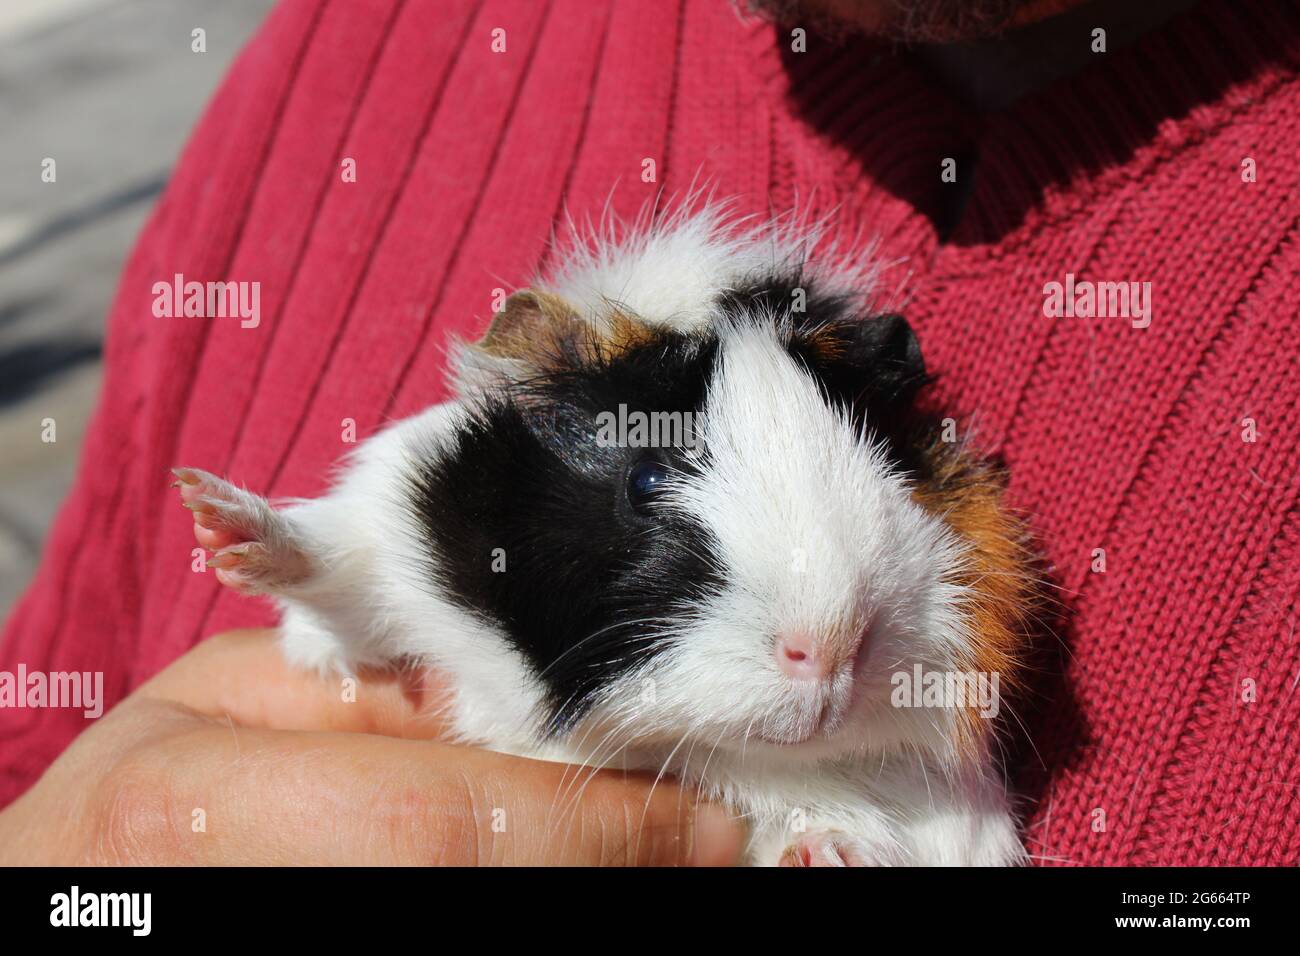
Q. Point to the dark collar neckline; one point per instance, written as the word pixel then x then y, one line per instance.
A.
pixel 1167 89
pixel 1054 149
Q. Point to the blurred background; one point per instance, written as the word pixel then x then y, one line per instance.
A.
pixel 109 89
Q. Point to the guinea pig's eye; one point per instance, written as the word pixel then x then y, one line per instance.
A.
pixel 645 482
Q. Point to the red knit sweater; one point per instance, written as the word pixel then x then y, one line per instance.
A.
pixel 1177 715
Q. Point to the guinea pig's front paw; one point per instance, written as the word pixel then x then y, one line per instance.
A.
pixel 826 848
pixel 255 547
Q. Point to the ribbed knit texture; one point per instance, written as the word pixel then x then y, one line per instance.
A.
pixel 1117 438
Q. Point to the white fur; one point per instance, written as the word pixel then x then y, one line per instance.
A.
pixel 668 270
pixel 812 531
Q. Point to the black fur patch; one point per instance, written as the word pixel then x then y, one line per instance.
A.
pixel 588 583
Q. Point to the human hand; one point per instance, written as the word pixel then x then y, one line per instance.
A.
pixel 281 770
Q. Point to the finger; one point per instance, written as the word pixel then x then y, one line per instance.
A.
pixel 277 798
pixel 243 676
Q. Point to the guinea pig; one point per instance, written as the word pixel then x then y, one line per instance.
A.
pixel 683 515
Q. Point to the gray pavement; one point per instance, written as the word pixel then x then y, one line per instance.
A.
pixel 110 90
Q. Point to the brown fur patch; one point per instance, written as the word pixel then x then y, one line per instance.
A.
pixel 826 343
pixel 1001 571
pixel 624 332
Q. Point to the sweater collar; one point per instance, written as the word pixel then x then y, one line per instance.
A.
pixel 1057 149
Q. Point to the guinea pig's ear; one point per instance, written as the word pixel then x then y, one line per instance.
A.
pixel 877 358
pixel 891 353
pixel 530 326
pixel 525 336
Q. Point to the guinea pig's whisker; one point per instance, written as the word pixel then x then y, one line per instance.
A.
pixel 744 741
pixel 659 776
pixel 704 774
pixel 1011 709
pixel 587 772
pixel 602 631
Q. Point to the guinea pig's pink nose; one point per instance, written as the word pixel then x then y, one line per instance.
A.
pixel 798 655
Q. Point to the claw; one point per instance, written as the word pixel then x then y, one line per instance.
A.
pixel 796 855
pixel 226 559
pixel 825 848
